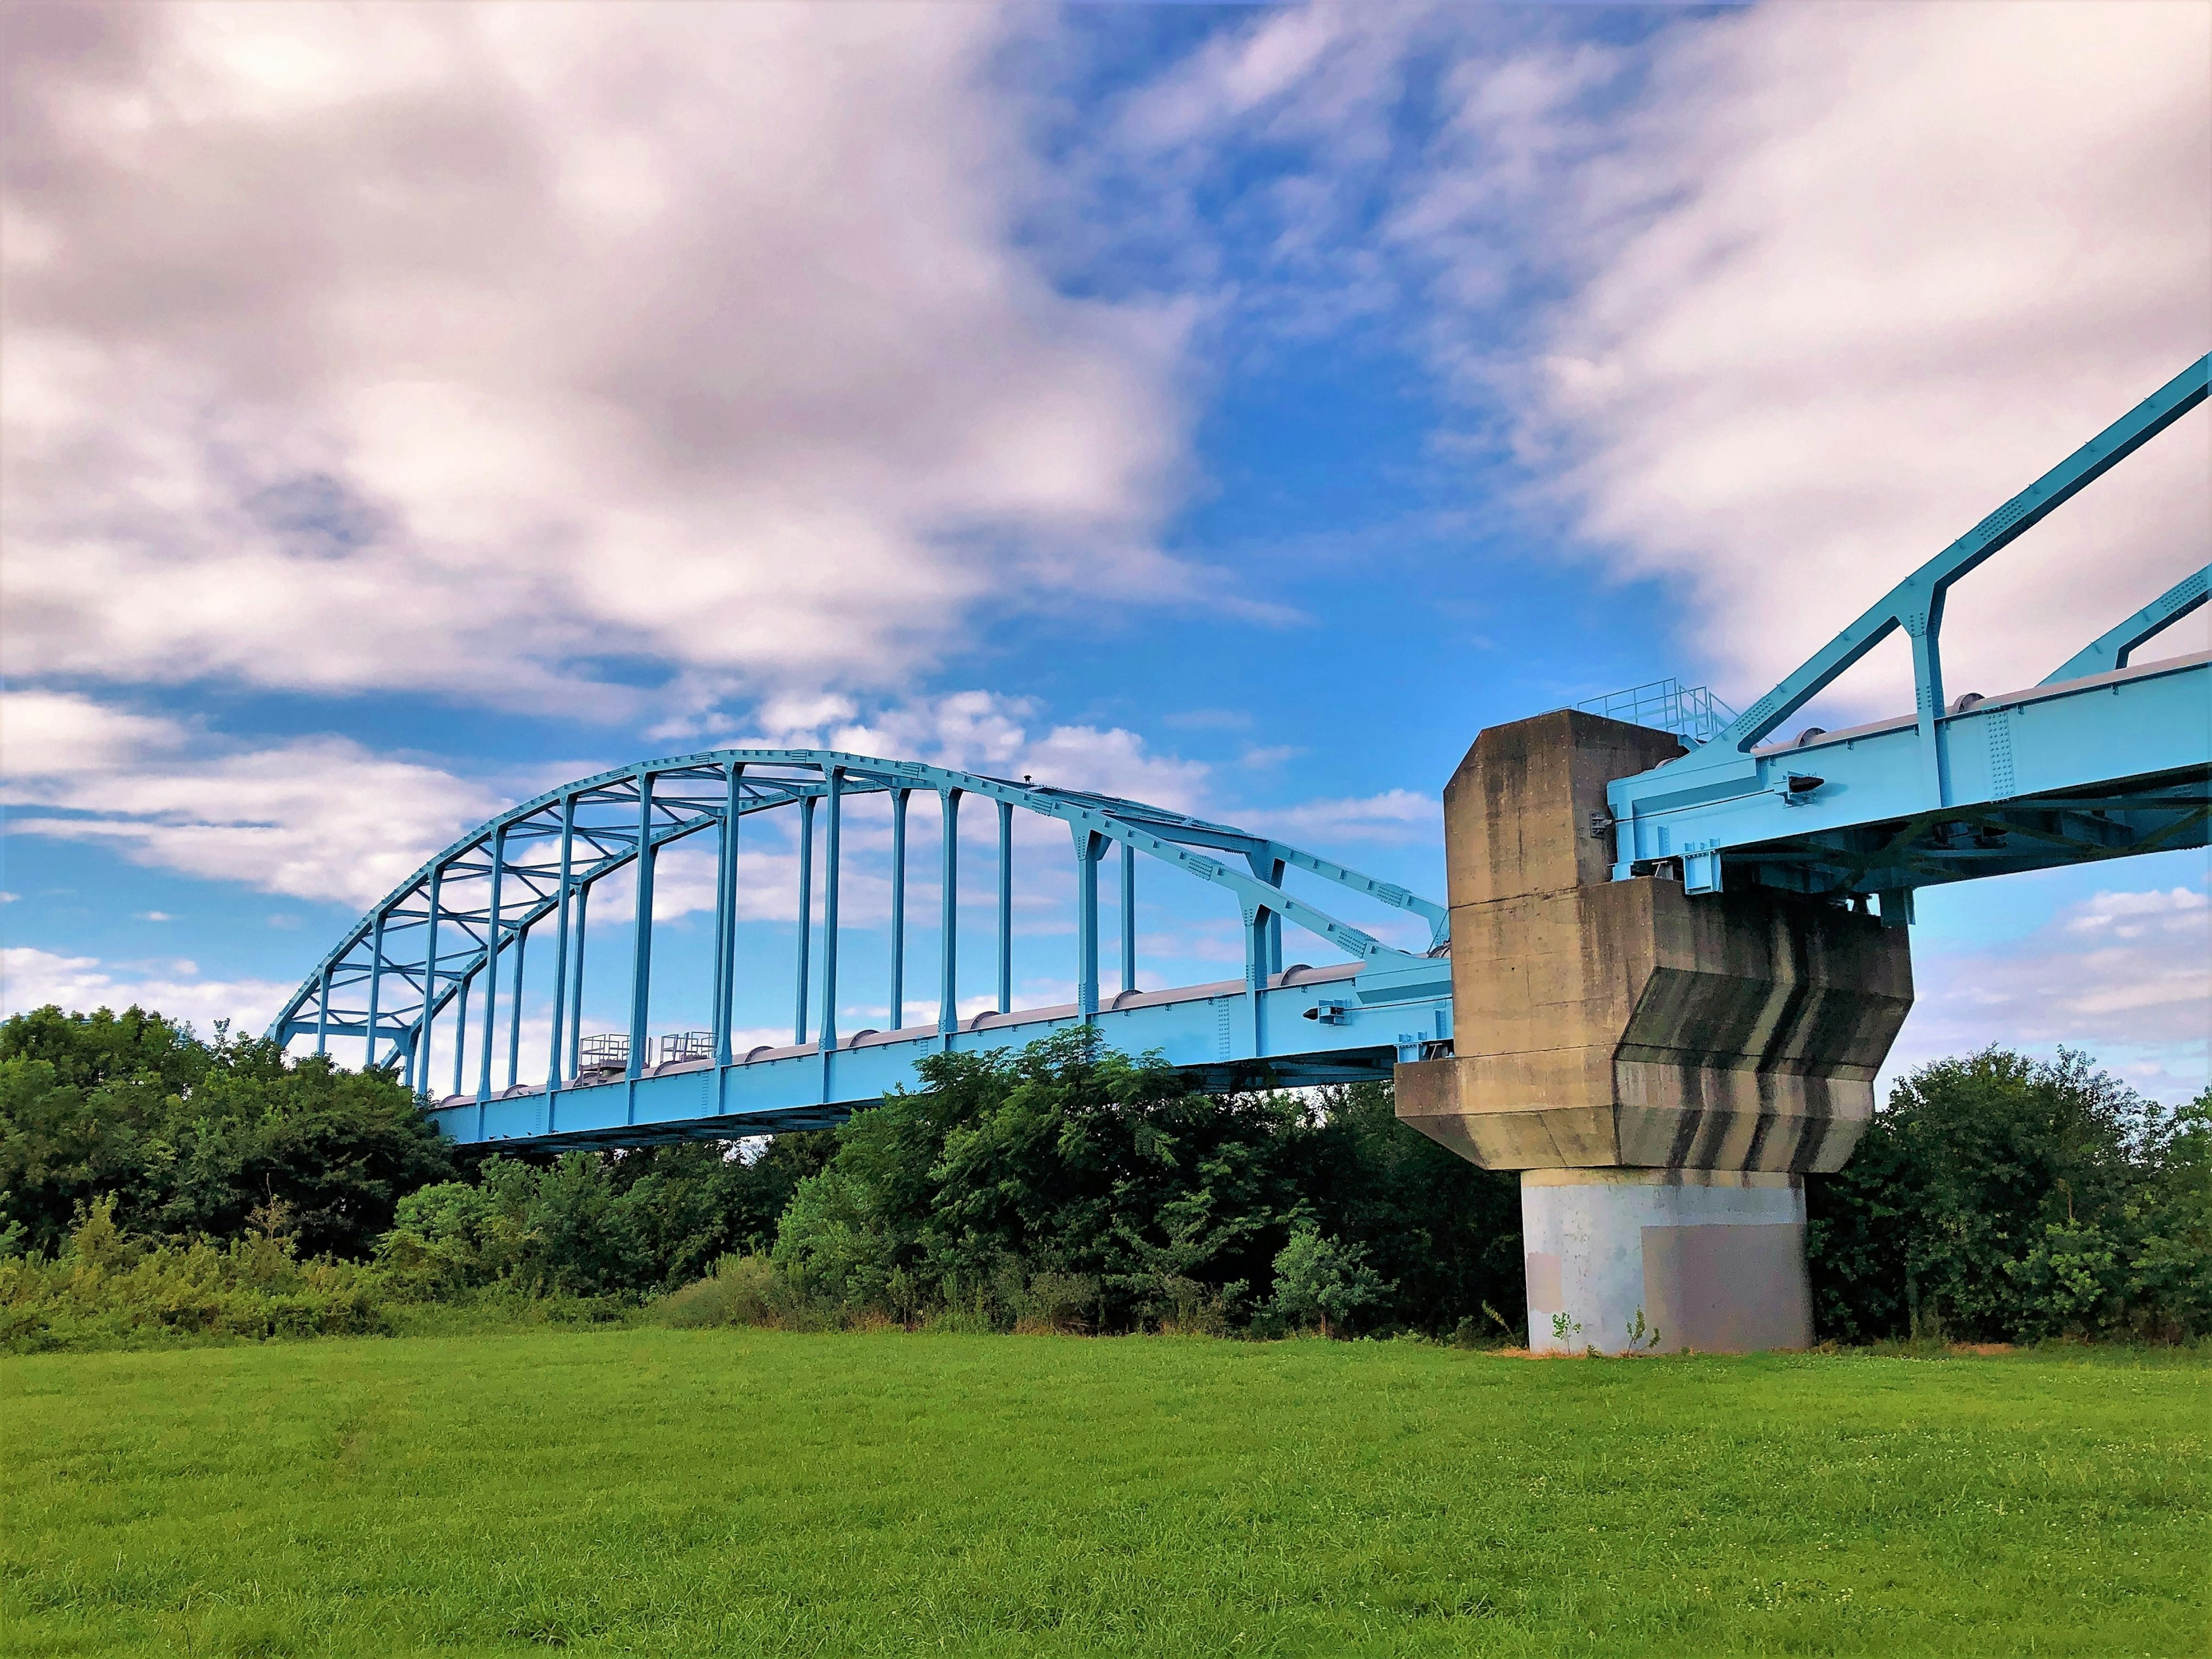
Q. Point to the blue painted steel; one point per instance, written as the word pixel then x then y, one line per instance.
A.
pixel 1090 846
pixel 514 1012
pixel 545 856
pixel 726 919
pixel 641 962
pixel 2111 648
pixel 1128 897
pixel 2086 765
pixel 563 913
pixel 576 979
pixel 805 912
pixel 948 921
pixel 898 906
pixel 1006 906
pixel 835 776
pixel 491 962
pixel 375 984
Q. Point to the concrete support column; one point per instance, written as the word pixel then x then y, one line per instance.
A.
pixel 1658 1260
pixel 1666 1068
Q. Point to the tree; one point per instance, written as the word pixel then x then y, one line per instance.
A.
pixel 1444 1235
pixel 2000 1198
pixel 1065 1161
pixel 1317 1280
pixel 190 1137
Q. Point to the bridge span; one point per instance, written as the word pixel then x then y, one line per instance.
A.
pixel 1673 959
pixel 404 979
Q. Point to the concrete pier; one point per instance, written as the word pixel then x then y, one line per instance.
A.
pixel 1665 1068
pixel 1658 1260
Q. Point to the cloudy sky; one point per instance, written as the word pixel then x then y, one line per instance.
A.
pixel 408 408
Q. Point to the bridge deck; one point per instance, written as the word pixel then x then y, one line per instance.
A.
pixel 1333 1024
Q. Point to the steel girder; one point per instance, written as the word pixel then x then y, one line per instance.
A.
pixel 424 950
pixel 2103 759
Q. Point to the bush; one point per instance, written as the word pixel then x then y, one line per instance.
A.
pixel 1008 1176
pixel 108 1288
pixel 741 1290
pixel 2001 1199
pixel 186 1138
pixel 1318 1279
pixel 592 1225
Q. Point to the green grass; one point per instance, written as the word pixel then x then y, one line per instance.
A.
pixel 647 1491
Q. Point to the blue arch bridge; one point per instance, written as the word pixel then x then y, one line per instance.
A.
pixel 2106 756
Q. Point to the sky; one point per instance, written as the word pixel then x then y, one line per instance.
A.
pixel 408 409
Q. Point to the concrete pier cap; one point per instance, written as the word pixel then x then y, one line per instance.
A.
pixel 1665 1070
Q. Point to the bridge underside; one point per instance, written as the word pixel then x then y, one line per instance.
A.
pixel 1341 1024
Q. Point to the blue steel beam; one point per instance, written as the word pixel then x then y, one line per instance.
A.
pixel 2111 648
pixel 2088 765
pixel 2102 767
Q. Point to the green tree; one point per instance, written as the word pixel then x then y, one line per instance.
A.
pixel 1066 1161
pixel 2000 1198
pixel 1444 1235
pixel 189 1138
pixel 1318 1280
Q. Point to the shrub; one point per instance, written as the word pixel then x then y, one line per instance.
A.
pixel 740 1290
pixel 1998 1198
pixel 1060 1302
pixel 1318 1279
pixel 108 1288
pixel 187 1138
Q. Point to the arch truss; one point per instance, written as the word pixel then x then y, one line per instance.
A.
pixel 417 981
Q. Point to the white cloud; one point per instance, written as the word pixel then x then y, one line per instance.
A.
pixel 1841 280
pixel 1769 306
pixel 32 978
pixel 50 734
pixel 315 817
pixel 987 732
pixel 451 348
pixel 1393 815
pixel 2126 975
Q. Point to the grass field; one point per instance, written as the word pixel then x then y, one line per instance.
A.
pixel 733 1492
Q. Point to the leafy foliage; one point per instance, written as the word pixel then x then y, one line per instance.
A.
pixel 106 1286
pixel 146 1175
pixel 1072 1187
pixel 188 1137
pixel 588 1226
pixel 1999 1198
pixel 1318 1279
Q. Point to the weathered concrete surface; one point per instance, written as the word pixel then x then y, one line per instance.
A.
pixel 1658 1260
pixel 1664 1069
pixel 1624 1024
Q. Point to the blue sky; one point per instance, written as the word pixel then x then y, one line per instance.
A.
pixel 1238 408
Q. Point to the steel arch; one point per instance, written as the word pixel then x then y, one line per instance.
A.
pixel 450 926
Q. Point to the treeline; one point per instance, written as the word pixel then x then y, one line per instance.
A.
pixel 152 1182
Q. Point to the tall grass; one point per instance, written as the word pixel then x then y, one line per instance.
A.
pixel 109 1289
